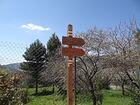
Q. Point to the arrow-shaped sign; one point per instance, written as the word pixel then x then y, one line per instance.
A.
pixel 73 41
pixel 71 52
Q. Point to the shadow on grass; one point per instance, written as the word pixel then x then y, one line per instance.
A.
pixel 43 93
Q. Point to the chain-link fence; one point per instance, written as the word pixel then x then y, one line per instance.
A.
pixel 40 67
pixel 11 53
pixel 42 70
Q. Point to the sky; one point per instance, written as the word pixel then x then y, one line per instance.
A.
pixel 24 21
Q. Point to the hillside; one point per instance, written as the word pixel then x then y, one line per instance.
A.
pixel 11 67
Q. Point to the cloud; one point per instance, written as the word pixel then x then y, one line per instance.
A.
pixel 33 27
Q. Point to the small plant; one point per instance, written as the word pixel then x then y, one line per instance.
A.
pixel 24 96
pixel 10 91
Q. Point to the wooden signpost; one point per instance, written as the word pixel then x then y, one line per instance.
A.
pixel 73 41
pixel 71 52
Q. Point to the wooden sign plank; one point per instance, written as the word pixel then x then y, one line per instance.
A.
pixel 73 41
pixel 71 52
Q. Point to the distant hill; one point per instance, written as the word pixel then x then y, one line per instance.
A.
pixel 11 67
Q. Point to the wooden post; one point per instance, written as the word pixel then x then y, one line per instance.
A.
pixel 69 72
pixel 75 71
pixel 71 52
pixel 70 83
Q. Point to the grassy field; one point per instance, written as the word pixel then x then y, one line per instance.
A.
pixel 111 97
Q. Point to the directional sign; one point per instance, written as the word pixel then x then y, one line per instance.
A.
pixel 72 52
pixel 73 41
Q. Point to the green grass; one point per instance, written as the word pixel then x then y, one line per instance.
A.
pixel 53 99
pixel 111 97
pixel 47 100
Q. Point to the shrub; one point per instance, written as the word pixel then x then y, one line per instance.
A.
pixel 10 91
pixel 136 97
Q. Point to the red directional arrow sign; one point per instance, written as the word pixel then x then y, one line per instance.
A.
pixel 72 52
pixel 73 41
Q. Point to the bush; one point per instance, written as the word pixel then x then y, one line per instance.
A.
pixel 10 91
pixel 25 96
pixel 136 98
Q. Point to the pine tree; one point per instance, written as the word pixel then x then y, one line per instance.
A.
pixel 53 45
pixel 53 54
pixel 35 57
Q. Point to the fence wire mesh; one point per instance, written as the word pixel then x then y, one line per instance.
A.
pixel 11 52
pixel 46 72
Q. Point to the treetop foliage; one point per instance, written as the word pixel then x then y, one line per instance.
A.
pixel 53 44
pixel 36 52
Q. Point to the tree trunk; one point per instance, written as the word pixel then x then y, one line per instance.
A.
pixel 36 87
pixel 123 89
pixel 53 89
pixel 93 98
pixel 92 93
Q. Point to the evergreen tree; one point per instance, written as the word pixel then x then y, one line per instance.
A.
pixel 53 45
pixel 35 57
